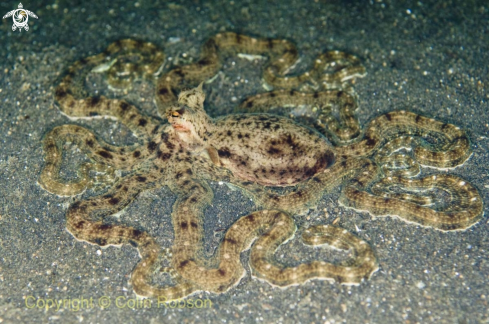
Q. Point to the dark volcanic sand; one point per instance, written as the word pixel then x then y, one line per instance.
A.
pixel 429 57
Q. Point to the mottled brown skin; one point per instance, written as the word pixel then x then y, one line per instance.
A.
pixel 262 148
pixel 369 166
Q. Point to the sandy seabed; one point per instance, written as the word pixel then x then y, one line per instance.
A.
pixel 429 57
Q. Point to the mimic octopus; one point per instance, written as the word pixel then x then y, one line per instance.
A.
pixel 378 168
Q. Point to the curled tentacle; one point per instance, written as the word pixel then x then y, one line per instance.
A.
pixel 451 147
pixel 86 222
pixel 105 160
pixel 282 54
pixel 75 103
pixel 362 265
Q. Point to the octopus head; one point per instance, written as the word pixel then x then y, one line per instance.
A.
pixel 189 118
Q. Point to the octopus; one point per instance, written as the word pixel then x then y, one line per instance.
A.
pixel 285 166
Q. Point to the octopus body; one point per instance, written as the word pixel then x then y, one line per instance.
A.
pixel 262 148
pixel 254 151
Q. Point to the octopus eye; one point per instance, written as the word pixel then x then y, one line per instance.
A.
pixel 175 114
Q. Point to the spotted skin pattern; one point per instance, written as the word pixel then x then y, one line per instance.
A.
pixel 255 152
